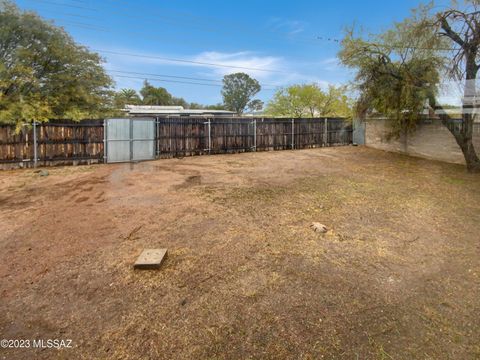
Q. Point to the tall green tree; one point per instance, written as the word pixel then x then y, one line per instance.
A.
pixel 291 101
pixel 238 90
pixel 44 74
pixel 310 100
pixel 399 71
pixel 335 101
pixel 214 107
pixel 255 105
pixel 152 95
pixel 194 105
pixel 179 101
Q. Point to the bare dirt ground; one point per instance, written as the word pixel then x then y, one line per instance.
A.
pixel 246 277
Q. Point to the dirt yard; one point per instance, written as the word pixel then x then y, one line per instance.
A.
pixel 397 277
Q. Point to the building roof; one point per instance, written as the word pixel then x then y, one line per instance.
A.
pixel 157 110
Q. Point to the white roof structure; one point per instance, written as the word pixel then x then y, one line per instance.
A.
pixel 157 110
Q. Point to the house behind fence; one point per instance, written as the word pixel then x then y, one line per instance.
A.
pixel 68 142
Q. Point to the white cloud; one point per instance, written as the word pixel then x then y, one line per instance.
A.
pixel 283 73
pixel 285 26
pixel 330 64
pixel 244 61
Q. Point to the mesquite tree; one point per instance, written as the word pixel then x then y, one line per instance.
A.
pixel 399 71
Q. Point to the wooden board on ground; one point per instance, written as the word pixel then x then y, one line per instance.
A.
pixel 150 259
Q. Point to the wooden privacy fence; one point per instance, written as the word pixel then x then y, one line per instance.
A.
pixel 181 136
pixel 68 142
pixel 57 142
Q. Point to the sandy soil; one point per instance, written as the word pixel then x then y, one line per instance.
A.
pixel 398 276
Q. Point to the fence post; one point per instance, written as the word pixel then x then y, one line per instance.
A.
pixel 293 134
pixel 209 137
pixel 255 135
pixel 105 140
pixel 155 146
pixel 325 132
pixel 35 155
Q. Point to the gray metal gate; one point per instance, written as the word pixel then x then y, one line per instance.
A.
pixel 129 140
pixel 358 132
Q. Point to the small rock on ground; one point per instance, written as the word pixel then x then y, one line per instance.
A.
pixel 318 227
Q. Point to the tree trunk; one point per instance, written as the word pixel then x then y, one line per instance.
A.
pixel 471 158
pixel 464 136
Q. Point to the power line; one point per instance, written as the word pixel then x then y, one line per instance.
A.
pixel 132 33
pixel 96 10
pixel 82 25
pixel 338 41
pixel 176 76
pixel 88 26
pixel 92 27
pixel 329 39
pixel 172 81
pixel 96 28
pixel 129 15
pixel 228 24
pixel 72 15
pixel 163 80
pixel 162 75
pixel 171 20
pixel 62 4
pixel 323 38
pixel 391 46
pixel 187 61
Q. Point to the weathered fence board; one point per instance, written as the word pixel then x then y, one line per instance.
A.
pixel 58 142
pixel 67 142
pixel 181 136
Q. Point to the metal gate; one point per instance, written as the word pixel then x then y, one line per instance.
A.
pixel 129 140
pixel 359 132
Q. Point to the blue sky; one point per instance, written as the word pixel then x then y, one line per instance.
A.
pixel 279 36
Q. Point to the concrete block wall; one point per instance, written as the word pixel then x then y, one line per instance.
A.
pixel 431 140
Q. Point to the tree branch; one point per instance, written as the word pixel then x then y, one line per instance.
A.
pixel 449 32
